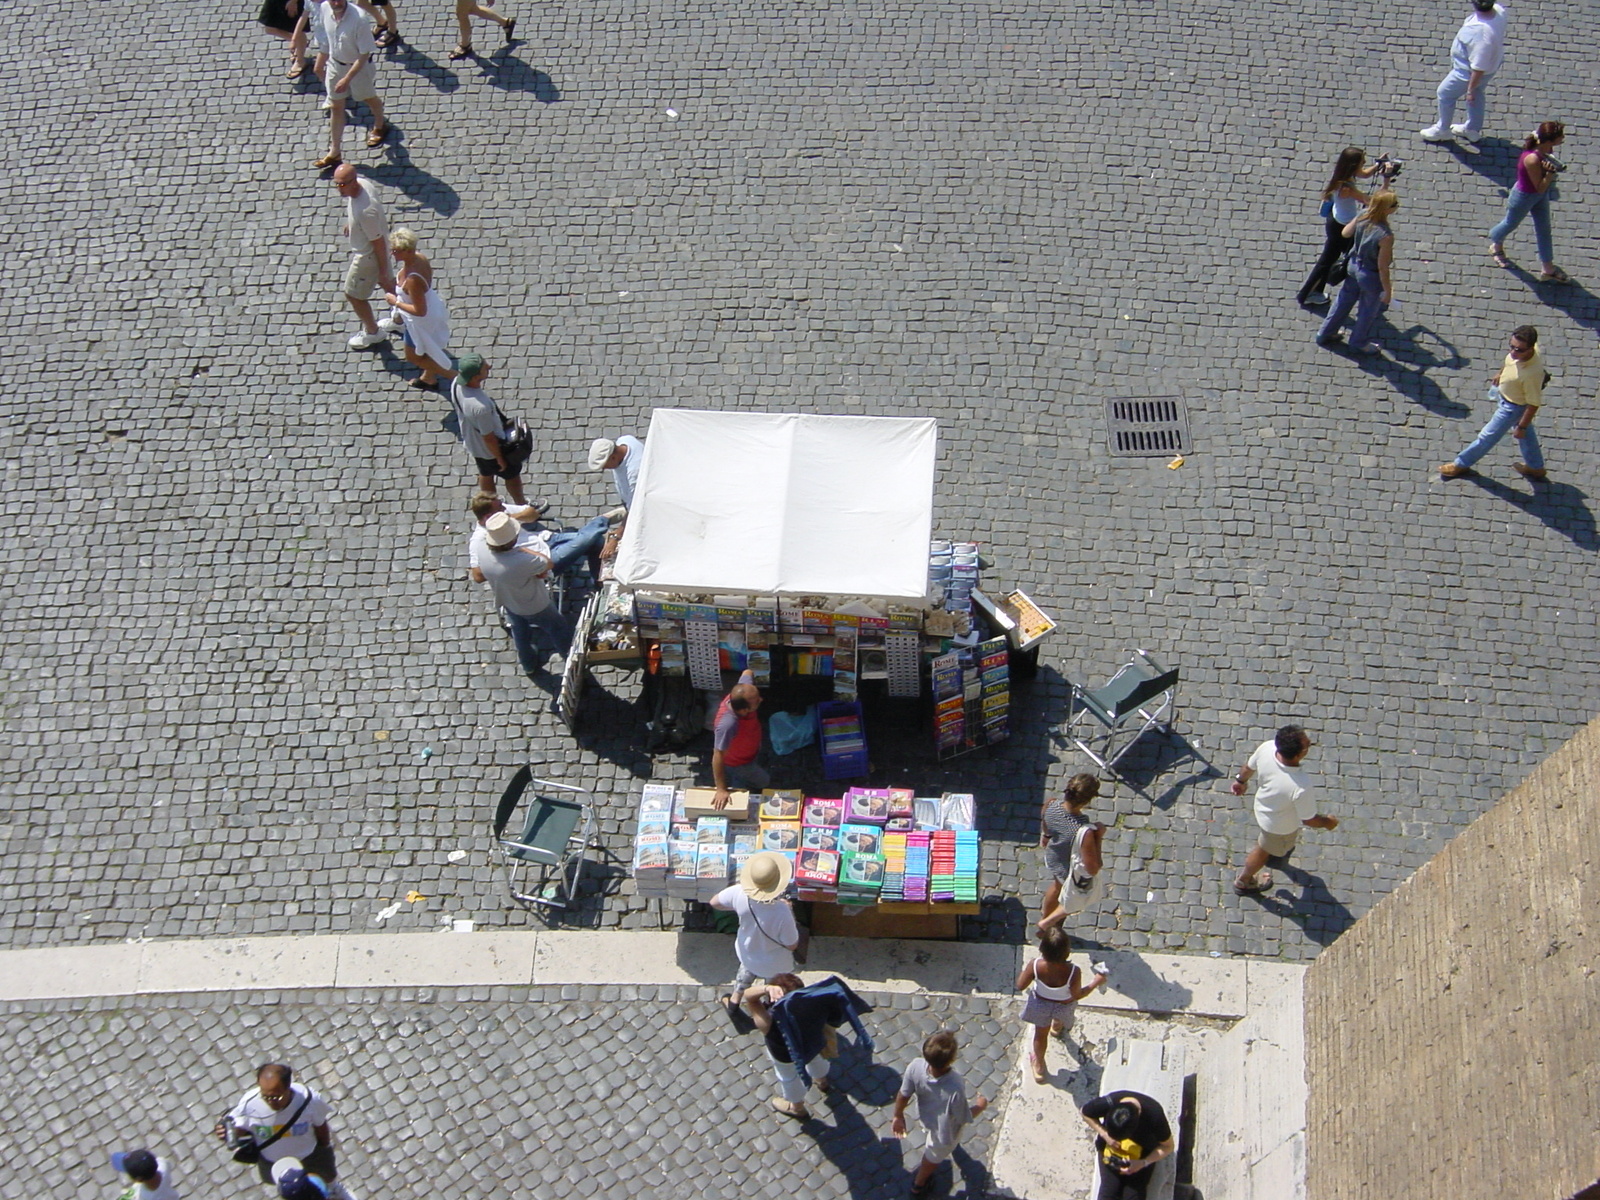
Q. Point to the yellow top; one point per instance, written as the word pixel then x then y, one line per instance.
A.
pixel 1523 382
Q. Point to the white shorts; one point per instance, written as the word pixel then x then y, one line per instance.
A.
pixel 937 1152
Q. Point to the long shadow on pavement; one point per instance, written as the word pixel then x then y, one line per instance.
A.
pixel 1495 158
pixel 418 63
pixel 1414 356
pixel 1321 916
pixel 1559 505
pixel 399 173
pixel 509 74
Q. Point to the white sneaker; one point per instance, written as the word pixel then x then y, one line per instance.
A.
pixel 1317 298
pixel 327 103
pixel 1434 133
pixel 391 325
pixel 1466 133
pixel 613 515
pixel 365 340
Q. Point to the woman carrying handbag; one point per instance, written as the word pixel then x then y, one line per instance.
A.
pixel 1342 203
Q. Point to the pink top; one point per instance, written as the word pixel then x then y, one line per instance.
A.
pixel 1524 180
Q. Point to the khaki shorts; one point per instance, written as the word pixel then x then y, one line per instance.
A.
pixel 364 87
pixel 1278 845
pixel 362 275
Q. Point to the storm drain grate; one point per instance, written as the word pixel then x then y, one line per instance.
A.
pixel 1148 426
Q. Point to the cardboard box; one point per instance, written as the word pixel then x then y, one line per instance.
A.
pixel 697 803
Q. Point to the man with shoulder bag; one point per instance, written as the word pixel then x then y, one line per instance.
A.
pixel 498 446
pixel 278 1119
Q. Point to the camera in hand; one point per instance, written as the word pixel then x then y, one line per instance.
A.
pixel 1554 165
pixel 1388 166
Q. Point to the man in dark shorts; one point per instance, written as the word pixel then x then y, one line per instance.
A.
pixel 482 430
pixel 1131 1136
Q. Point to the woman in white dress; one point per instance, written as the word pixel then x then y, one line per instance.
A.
pixel 424 320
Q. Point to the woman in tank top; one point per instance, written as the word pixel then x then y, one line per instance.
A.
pixel 1536 171
pixel 1346 201
pixel 1054 989
pixel 1371 253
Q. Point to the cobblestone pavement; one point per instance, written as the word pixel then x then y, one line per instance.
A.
pixel 530 1092
pixel 233 604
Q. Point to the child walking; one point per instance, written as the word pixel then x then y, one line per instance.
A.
pixel 941 1105
pixel 1054 989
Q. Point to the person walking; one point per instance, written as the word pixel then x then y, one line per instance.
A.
pixel 1281 804
pixel 1536 171
pixel 1368 280
pixel 483 433
pixel 1517 390
pixel 282 1119
pixel 366 226
pixel 942 1106
pixel 516 575
pixel 1072 852
pixel 465 11
pixel 1054 988
pixel 424 321
pixel 1131 1135
pixel 1342 202
pixel 281 18
pixel 1475 56
pixel 768 935
pixel 350 76
pixel 152 1180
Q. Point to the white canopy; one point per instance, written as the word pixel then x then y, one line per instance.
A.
pixel 765 503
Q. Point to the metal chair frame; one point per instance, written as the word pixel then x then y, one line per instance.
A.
pixel 1114 706
pixel 520 856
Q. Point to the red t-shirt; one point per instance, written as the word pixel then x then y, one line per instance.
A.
pixel 738 737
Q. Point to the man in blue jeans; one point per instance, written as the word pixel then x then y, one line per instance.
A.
pixel 1517 389
pixel 562 549
pixel 516 574
pixel 1475 56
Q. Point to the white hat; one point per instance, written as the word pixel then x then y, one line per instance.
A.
pixel 600 452
pixel 502 531
pixel 284 1165
pixel 766 875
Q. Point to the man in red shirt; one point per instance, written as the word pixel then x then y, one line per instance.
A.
pixel 736 742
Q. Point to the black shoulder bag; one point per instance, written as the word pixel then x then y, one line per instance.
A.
pixel 250 1152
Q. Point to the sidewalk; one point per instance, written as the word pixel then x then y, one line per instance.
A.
pixel 1238 1018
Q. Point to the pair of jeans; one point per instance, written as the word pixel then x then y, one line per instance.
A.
pixel 1506 415
pixel 1453 88
pixel 1335 245
pixel 568 548
pixel 1360 284
pixel 549 626
pixel 1520 204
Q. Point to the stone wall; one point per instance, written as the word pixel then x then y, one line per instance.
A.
pixel 1451 1032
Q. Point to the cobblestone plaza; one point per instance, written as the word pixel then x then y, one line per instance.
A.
pixel 234 603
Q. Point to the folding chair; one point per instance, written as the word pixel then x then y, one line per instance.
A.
pixel 551 840
pixel 1121 705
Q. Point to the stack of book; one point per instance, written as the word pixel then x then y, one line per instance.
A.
pixel 844 744
pixel 860 877
pixel 894 868
pixel 867 806
pixel 780 828
pixel 816 872
pixel 902 810
pixel 942 866
pixel 650 840
pixel 966 871
pixel 915 884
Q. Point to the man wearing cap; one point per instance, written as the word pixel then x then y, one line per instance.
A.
pixel 482 428
pixel 1475 56
pixel 150 1175
pixel 284 1119
pixel 623 459
pixel 767 934
pixel 516 574
pixel 296 1183
pixel 736 742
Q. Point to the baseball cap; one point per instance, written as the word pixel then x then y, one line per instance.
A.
pixel 295 1182
pixel 600 452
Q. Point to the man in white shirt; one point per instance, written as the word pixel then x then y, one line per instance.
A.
pixel 285 1120
pixel 350 75
pixel 1282 806
pixel 622 458
pixel 366 226
pixel 1475 56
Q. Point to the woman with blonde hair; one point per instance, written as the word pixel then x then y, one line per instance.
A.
pixel 424 323
pixel 1367 278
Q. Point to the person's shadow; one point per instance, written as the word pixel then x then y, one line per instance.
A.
pixel 1575 301
pixel 1321 916
pixel 418 63
pixel 1495 158
pixel 1559 505
pixel 510 74
pixel 1417 351
pixel 401 174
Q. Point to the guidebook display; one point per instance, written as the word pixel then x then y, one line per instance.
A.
pixel 869 846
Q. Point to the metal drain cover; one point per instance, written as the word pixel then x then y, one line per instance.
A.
pixel 1147 426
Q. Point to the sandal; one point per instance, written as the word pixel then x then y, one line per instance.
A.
pixel 297 69
pixel 508 29
pixel 1253 889
pixel 1039 1075
pixel 797 1111
pixel 378 134
pixel 327 161
pixel 387 38
pixel 1500 259
pixel 461 52
pixel 1555 275
pixel 922 1189
pixel 429 385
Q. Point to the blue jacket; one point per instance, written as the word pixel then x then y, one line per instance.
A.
pixel 801 1017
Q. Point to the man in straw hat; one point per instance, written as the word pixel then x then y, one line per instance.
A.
pixel 767 932
pixel 516 574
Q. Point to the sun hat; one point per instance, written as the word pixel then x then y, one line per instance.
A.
pixel 765 876
pixel 501 531
pixel 600 452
